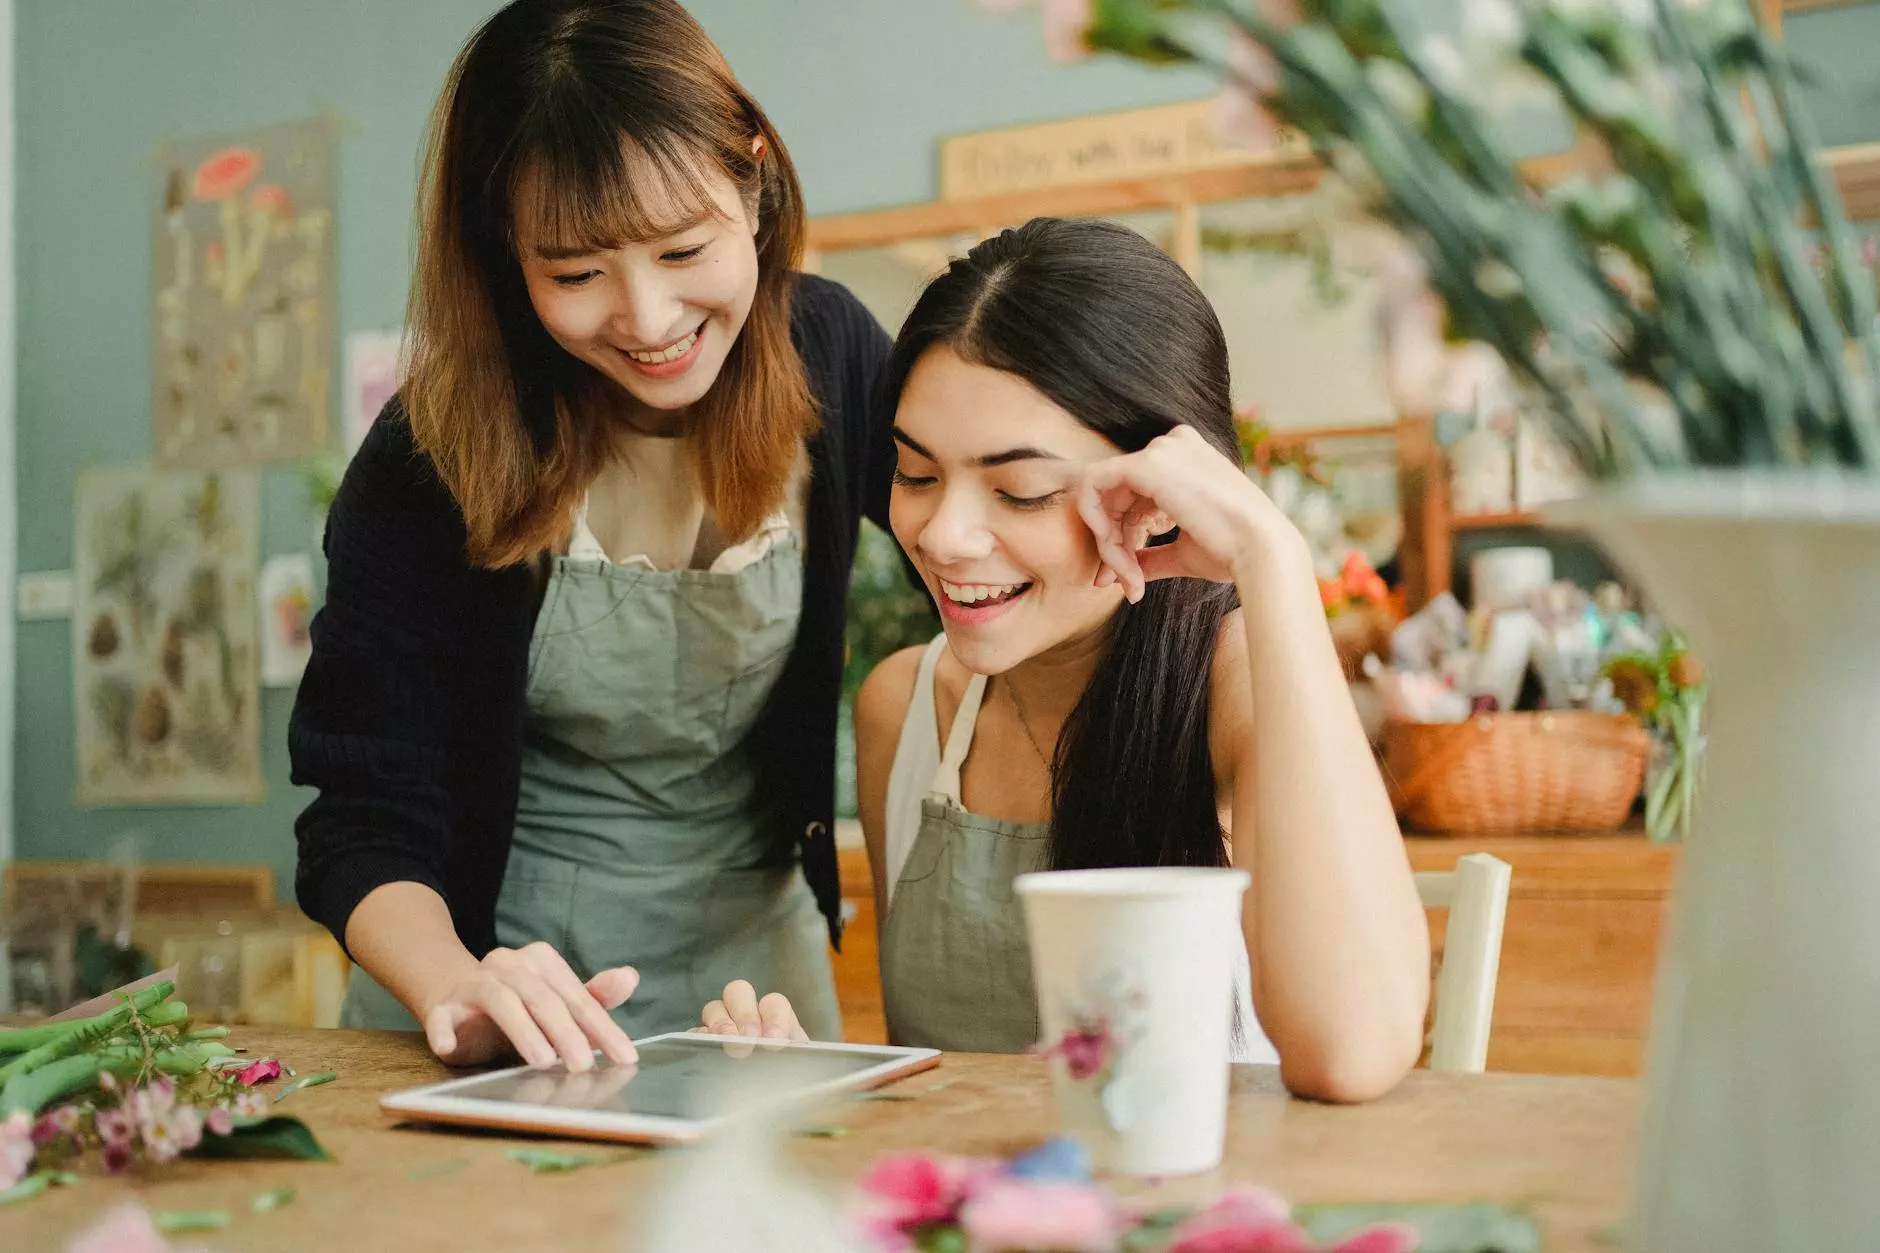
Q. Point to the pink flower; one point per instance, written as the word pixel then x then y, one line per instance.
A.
pixel 220 1122
pixel 1245 1220
pixel 115 1127
pixel 188 1127
pixel 16 1148
pixel 910 1190
pixel 55 1124
pixel 1011 1214
pixel 126 1229
pixel 1085 1049
pixel 170 1132
pixel 1252 1220
pixel 1067 26
pixel 259 1072
pixel 251 1105
pixel 117 1158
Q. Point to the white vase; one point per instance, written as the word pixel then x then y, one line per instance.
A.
pixel 1761 1127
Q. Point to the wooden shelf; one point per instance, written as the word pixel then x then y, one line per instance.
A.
pixel 1489 521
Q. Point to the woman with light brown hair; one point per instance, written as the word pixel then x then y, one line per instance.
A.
pixel 572 702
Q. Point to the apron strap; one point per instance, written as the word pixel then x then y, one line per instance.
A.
pixel 960 741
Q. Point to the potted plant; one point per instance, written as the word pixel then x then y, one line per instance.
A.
pixel 1690 314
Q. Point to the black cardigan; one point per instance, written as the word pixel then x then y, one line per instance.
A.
pixel 409 717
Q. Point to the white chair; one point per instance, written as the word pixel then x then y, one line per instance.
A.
pixel 1476 895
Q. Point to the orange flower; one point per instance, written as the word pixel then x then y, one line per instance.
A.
pixel 1635 685
pixel 1685 670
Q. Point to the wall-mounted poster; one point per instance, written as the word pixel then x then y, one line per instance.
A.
pixel 287 592
pixel 242 308
pixel 371 380
pixel 166 692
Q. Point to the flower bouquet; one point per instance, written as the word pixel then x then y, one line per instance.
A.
pixel 1665 690
pixel 136 1085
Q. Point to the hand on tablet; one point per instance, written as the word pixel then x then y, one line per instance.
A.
pixel 530 1000
pixel 740 1013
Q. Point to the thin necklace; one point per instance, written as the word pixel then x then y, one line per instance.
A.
pixel 1011 690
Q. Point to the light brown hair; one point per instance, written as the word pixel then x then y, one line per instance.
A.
pixel 586 107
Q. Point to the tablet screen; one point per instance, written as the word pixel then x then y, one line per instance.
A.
pixel 686 1077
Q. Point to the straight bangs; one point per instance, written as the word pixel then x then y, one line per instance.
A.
pixel 591 125
pixel 587 188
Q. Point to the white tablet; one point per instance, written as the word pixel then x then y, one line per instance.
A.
pixel 675 1094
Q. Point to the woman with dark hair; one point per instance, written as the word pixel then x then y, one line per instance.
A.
pixel 1135 670
pixel 572 701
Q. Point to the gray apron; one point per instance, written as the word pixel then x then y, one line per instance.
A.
pixel 955 956
pixel 641 835
pixel 955 961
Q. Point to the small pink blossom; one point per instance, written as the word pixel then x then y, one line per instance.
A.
pixel 220 1122
pixel 1253 1220
pixel 263 1071
pixel 16 1148
pixel 1067 26
pixel 56 1124
pixel 1010 1214
pixel 251 1105
pixel 1085 1048
pixel 126 1229
pixel 115 1127
pixel 1245 1220
pixel 172 1132
pixel 107 1081
pixel 117 1158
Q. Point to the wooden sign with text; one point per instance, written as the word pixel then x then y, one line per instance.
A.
pixel 1138 143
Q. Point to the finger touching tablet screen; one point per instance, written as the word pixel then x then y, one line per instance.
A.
pixel 682 1086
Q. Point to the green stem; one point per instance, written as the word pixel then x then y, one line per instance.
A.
pixel 86 1032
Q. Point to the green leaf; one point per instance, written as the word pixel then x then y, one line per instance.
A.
pixel 35 1183
pixel 274 1199
pixel 311 1081
pixel 1441 1228
pixel 822 1133
pixel 172 1221
pixel 281 1136
pixel 552 1162
pixel 940 1238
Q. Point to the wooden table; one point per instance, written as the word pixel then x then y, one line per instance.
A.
pixel 1562 1143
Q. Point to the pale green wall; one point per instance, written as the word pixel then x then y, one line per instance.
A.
pixel 859 88
pixel 859 91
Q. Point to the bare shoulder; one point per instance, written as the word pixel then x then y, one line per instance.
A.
pixel 1230 698
pixel 882 700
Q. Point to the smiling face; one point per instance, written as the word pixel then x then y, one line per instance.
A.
pixel 985 504
pixel 656 315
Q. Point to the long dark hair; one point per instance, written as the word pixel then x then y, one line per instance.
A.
pixel 1112 330
pixel 567 102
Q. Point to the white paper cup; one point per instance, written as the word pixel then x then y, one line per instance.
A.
pixel 1134 970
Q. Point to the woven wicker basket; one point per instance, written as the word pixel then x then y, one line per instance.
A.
pixel 1565 771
